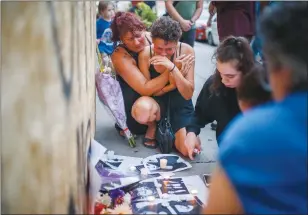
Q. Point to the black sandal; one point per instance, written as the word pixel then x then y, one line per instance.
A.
pixel 149 140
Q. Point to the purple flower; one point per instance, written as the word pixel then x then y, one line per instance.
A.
pixel 116 193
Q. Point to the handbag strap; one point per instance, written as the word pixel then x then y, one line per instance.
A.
pixel 168 109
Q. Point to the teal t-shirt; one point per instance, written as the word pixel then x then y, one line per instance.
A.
pixel 186 9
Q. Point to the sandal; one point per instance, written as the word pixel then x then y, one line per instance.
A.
pixel 120 131
pixel 149 140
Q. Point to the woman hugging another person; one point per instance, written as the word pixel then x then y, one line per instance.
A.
pixel 157 59
pixel 130 32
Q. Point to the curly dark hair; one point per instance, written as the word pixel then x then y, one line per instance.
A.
pixel 124 22
pixel 167 29
pixel 254 87
pixel 233 48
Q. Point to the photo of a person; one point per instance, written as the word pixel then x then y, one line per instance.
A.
pixel 174 163
pixel 114 163
pixel 187 207
pixel 111 185
pixel 173 186
pixel 143 190
pixel 149 208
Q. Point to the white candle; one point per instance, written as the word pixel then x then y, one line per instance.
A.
pixel 151 198
pixel 144 171
pixel 110 155
pixel 163 163
pixel 194 192
pixel 132 168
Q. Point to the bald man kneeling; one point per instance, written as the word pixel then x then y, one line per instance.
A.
pixel 147 111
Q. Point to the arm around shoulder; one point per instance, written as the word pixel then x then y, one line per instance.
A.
pixel 127 68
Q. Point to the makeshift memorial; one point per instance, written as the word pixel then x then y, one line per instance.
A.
pixel 176 196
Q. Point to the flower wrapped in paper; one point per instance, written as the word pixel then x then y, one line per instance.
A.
pixel 110 94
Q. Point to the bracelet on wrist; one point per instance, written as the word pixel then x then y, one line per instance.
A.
pixel 172 68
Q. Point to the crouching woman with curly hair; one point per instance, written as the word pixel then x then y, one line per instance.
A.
pixel 159 58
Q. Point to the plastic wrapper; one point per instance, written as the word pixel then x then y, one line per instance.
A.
pixel 110 94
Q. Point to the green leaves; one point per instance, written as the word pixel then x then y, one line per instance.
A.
pixel 132 142
pixel 146 14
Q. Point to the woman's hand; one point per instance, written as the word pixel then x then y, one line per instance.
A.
pixel 161 61
pixel 184 63
pixel 192 142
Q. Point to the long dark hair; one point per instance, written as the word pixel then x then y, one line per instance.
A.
pixel 232 48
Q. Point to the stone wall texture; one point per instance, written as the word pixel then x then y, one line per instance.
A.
pixel 47 105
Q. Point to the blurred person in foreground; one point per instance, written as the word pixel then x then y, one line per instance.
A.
pixel 263 155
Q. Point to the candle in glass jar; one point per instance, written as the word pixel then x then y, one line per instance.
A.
pixel 163 163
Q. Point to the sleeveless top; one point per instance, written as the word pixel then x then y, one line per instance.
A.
pixel 177 99
pixel 129 94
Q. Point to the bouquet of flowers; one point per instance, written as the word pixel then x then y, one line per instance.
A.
pixel 110 94
pixel 113 202
pixel 114 196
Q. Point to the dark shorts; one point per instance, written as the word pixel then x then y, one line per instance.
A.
pixel 180 117
pixel 180 113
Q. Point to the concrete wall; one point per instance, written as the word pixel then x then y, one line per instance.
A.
pixel 47 105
